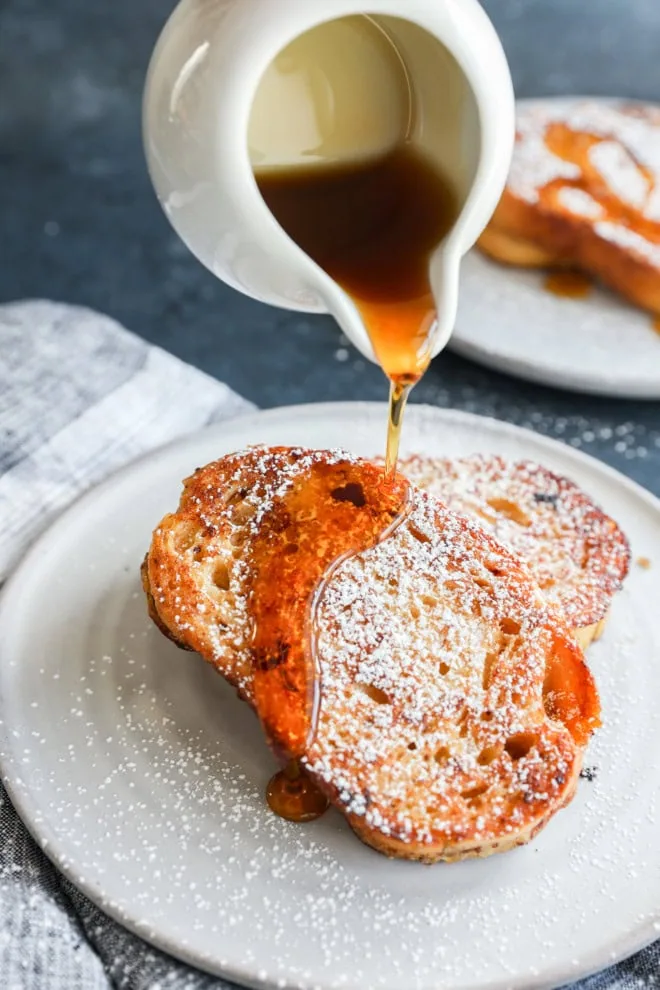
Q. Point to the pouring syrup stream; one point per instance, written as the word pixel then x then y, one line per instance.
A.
pixel 372 226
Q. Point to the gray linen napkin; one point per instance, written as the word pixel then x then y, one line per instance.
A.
pixel 80 396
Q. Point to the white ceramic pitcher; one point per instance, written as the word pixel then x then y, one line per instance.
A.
pixel 235 85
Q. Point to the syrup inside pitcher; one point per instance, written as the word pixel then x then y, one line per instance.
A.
pixel 368 205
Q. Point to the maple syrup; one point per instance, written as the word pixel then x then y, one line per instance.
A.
pixel 293 795
pixel 335 510
pixel 568 283
pixel 372 226
pixel 399 393
pixel 656 324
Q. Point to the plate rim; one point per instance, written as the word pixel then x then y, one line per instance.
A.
pixel 632 942
pixel 516 367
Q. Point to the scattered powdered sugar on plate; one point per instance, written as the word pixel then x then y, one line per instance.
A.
pixel 142 775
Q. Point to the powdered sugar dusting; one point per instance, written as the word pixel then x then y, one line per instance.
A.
pixel 433 649
pixel 620 172
pixel 533 165
pixel 198 572
pixel 578 555
pixel 434 591
pixel 595 161
pixel 630 240
pixel 579 202
pixel 634 126
pixel 627 156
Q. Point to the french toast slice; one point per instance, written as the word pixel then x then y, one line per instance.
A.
pixel 584 192
pixel 454 705
pixel 577 554
pixel 195 573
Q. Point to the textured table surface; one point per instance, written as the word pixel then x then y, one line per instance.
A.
pixel 79 221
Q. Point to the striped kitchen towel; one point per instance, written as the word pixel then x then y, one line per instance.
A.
pixel 79 397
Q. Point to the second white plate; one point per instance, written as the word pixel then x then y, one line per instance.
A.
pixel 509 322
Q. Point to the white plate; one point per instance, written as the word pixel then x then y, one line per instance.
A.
pixel 508 321
pixel 142 776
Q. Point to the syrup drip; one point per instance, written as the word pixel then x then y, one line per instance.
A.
pixel 399 393
pixel 568 284
pixel 293 795
pixel 656 324
pixel 337 510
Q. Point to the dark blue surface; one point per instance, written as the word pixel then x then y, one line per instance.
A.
pixel 79 221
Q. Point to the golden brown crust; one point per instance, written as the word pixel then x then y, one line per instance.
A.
pixel 151 607
pixel 469 849
pixel 440 747
pixel 583 192
pixel 519 252
pixel 432 750
pixel 194 563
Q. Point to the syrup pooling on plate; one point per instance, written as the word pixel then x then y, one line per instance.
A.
pixel 292 794
pixel 568 283
pixel 333 511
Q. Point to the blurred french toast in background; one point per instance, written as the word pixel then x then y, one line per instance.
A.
pixel 584 192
